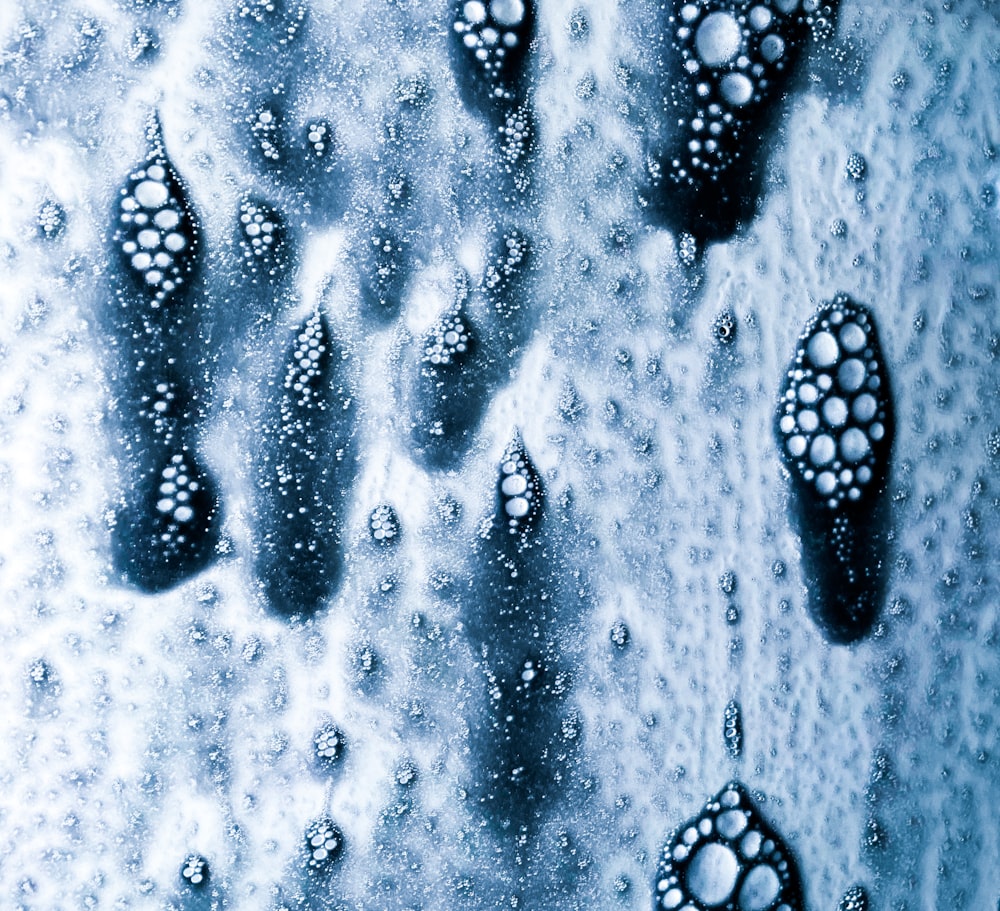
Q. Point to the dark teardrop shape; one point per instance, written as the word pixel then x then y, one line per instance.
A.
pixel 303 467
pixel 724 75
pixel 490 41
pixel 855 899
pixel 727 858
pixel 156 237
pixel 834 428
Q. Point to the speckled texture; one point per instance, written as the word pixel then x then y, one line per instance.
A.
pixel 142 730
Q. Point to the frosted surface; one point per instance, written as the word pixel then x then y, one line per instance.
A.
pixel 356 757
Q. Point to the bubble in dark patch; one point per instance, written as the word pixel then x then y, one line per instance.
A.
pixel 834 426
pixel 620 635
pixel 156 235
pixel 855 899
pixel 732 729
pixel 169 526
pixel 385 262
pixel 727 857
pixel 728 583
pixel 509 265
pixel 449 391
pixel 303 469
pixel 490 43
pixel 195 872
pixel 318 172
pixel 578 25
pixel 856 168
pixel 324 844
pixel 726 71
pixel 328 745
pixel 519 492
pixel 50 220
pixel 262 241
pixel 267 135
pixel 383 525
pixel 724 328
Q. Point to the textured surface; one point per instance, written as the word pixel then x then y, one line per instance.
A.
pixel 665 592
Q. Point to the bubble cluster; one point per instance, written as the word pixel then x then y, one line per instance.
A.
pixel 516 136
pixel 265 127
pixel 834 420
pixel 519 489
pixel 324 843
pixel 319 138
pixel 328 744
pixel 383 525
pixel 732 729
pixel 51 220
pixel 304 371
pixel 260 235
pixel 491 30
pixel 513 251
pixel 724 327
pixel 177 489
pixel 855 899
pixel 727 857
pixel 194 871
pixel 732 53
pixel 155 230
pixel 449 340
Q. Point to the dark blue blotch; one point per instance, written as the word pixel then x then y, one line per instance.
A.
pixel 263 243
pixel 303 468
pixel 168 525
pixel 513 619
pixel 497 82
pixel 707 162
pixel 383 255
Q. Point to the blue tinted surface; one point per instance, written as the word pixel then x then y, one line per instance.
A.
pixel 434 477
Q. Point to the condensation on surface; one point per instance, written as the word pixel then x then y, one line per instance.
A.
pixel 147 731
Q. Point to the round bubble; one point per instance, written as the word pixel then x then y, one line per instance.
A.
pixel 760 888
pixel 851 375
pixel 853 337
pixel 808 393
pixel 808 421
pixel 772 48
pixel 750 846
pixel 796 445
pixel 731 823
pixel 835 411
pixel 864 407
pixel 712 874
pixel 516 507
pixel 823 450
pixel 507 12
pixel 474 12
pixel 823 350
pixel 718 39
pixel 736 88
pixel 760 18
pixel 853 445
